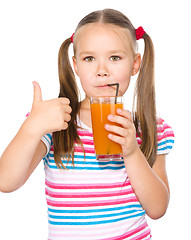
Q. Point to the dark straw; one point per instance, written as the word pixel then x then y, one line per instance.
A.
pixel 117 90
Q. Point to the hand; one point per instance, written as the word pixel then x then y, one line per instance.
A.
pixel 125 134
pixel 49 116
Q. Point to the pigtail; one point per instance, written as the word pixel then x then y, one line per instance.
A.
pixel 145 114
pixel 64 140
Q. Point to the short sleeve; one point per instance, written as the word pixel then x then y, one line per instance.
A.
pixel 165 137
pixel 47 140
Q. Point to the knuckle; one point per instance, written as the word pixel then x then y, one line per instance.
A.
pixel 65 125
pixel 64 100
pixel 67 117
pixel 67 101
pixel 70 109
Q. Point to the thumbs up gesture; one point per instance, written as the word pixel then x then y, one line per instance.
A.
pixel 48 116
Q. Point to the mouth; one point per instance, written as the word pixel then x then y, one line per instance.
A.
pixel 103 86
pixel 112 85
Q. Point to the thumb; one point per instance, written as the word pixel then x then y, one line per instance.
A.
pixel 37 97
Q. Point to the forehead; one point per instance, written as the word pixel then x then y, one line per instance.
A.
pixel 99 35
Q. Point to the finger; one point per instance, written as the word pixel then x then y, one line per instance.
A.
pixel 67 117
pixel 116 130
pixel 125 113
pixel 67 109
pixel 116 138
pixel 63 100
pixel 124 122
pixel 37 97
pixel 65 126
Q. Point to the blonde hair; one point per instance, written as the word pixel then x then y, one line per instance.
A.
pixel 144 96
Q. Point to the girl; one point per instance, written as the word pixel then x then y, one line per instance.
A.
pixel 88 199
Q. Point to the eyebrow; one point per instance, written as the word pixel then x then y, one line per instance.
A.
pixel 86 53
pixel 118 51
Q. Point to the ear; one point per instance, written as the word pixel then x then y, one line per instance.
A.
pixel 75 65
pixel 136 64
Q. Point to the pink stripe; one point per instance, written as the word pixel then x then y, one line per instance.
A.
pixel 166 126
pixel 90 203
pixel 85 133
pixel 124 236
pixel 163 127
pixel 83 231
pixel 165 135
pixel 87 150
pixel 86 141
pixel 86 186
pixel 143 235
pixel 89 195
pixel 90 230
pixel 129 234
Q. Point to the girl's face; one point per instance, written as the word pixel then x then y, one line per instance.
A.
pixel 104 55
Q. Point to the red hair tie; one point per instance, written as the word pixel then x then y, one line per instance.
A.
pixel 139 32
pixel 72 38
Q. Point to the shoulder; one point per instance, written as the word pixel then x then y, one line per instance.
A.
pixel 165 136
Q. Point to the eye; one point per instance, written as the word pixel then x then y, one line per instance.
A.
pixel 115 58
pixel 89 59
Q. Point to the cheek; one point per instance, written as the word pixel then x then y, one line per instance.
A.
pixel 85 73
pixel 123 86
pixel 86 80
pixel 124 80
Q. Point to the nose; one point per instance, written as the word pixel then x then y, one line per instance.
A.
pixel 102 70
pixel 102 74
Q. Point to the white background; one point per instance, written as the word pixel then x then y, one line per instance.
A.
pixel 31 34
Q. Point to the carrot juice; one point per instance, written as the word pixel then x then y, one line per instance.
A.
pixel 101 107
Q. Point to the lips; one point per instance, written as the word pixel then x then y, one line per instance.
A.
pixel 103 86
pixel 106 86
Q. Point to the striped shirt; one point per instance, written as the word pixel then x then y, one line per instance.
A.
pixel 94 200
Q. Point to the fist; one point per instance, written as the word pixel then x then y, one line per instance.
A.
pixel 49 116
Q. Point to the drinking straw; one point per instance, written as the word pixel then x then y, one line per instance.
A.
pixel 117 90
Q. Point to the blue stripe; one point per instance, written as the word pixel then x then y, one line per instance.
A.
pixel 165 148
pixel 48 137
pixel 45 161
pixel 95 210
pixel 97 222
pixel 91 163
pixel 94 216
pixel 88 168
pixel 87 157
pixel 166 141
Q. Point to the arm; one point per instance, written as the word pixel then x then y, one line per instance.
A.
pixel 26 150
pixel 150 184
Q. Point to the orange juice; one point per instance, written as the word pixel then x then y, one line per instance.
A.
pixel 99 113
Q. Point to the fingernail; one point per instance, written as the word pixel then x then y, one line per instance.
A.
pixel 110 116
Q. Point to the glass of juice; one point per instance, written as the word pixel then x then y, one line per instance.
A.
pixel 101 107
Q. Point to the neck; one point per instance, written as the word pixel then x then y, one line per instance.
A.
pixel 85 104
pixel 85 113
